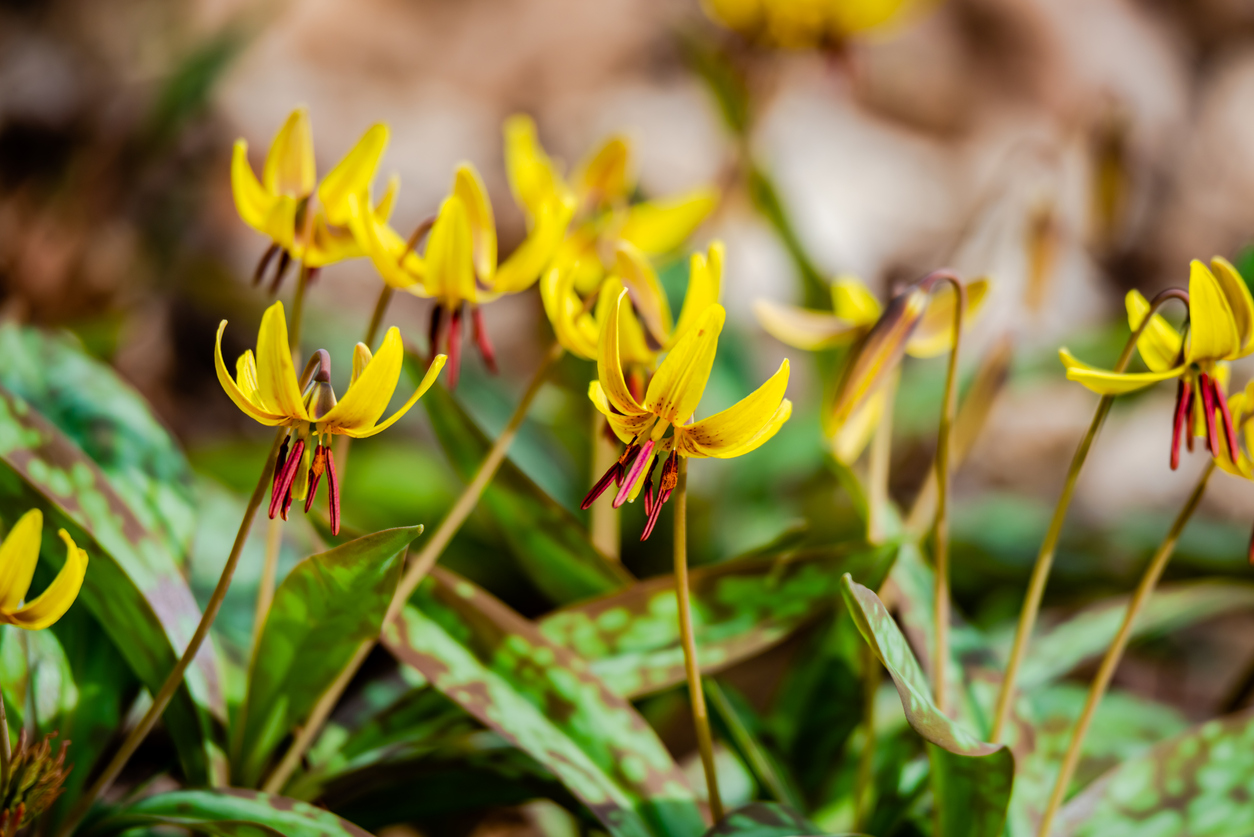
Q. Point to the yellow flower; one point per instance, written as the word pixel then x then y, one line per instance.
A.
pixel 669 403
pixel 804 24
pixel 18 555
pixel 1220 328
pixel 266 388
pixel 855 310
pixel 278 205
pixel 459 268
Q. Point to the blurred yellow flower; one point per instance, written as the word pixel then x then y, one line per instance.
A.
pixel 267 389
pixel 804 24
pixel 18 555
pixel 279 204
pixel 1220 328
pixel 670 402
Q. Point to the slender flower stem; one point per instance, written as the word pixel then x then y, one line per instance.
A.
pixel 700 715
pixel 6 746
pixel 941 531
pixel 376 317
pixel 1114 653
pixel 163 696
pixel 1045 557
pixel 605 518
pixel 417 570
pixel 877 473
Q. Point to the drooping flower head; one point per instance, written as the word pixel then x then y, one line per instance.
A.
pixel 1220 328
pixel 18 555
pixel 267 389
pixel 925 327
pixel 661 423
pixel 306 220
pixel 458 269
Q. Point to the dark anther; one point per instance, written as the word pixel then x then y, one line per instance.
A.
pixel 1230 435
pixel 481 339
pixel 278 466
pixel 648 490
pixel 285 262
pixel 266 258
pixel 281 497
pixel 633 473
pixel 312 276
pixel 333 493
pixel 454 347
pixel 1184 404
pixel 315 475
pixel 434 330
pixel 610 477
pixel 670 479
pixel 1207 386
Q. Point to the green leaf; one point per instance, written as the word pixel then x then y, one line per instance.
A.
pixel 132 587
pixel 972 779
pixel 549 543
pixel 228 813
pixel 546 701
pixel 762 819
pixel 738 724
pixel 1198 783
pixel 111 422
pixel 740 608
pixel 326 607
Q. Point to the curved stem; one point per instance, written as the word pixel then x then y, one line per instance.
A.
pixel 417 570
pixel 1045 556
pixel 163 696
pixel 1114 653
pixel 700 715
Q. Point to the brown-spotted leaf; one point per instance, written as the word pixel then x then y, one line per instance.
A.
pixel 228 813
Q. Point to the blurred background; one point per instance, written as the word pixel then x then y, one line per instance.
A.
pixel 1068 149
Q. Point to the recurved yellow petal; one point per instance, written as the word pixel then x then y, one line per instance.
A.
pixel 532 176
pixel 331 244
pixel 433 371
pixel 935 332
pixel 1159 344
pixel 371 391
pixel 625 427
pixel 450 271
pixel 1105 382
pixel 1213 331
pixel 245 394
pixel 705 284
pixel 854 302
pixel 658 227
pixel 361 359
pixel 537 252
pixel 253 203
pixel 574 327
pixel 468 185
pixel 353 174
pixel 398 266
pixel 605 176
pixel 18 556
pixel 647 295
pixel 1238 296
pixel 743 426
pixel 289 166
pixel 277 383
pixel 803 328
pixel 676 388
pixel 609 367
pixel 56 599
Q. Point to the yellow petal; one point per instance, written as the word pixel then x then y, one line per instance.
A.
pixel 56 599
pixel 935 333
pixel 803 328
pixel 853 301
pixel 361 359
pixel 705 283
pixel 745 16
pixel 532 176
pixel 290 163
pixel 253 203
pixel 245 396
pixel 277 383
pixel 433 371
pixel 609 367
pixel 1238 296
pixel 743 426
pixel 647 295
pixel 1159 344
pixel 18 555
pixel 450 270
pixel 573 326
pixel 468 185
pixel 625 427
pixel 383 209
pixel 331 244
pixel 658 227
pixel 537 251
pixel 676 388
pixel 1213 333
pixel 605 175
pixel 371 391
pixel 353 174
pixel 1104 382
pixel 385 247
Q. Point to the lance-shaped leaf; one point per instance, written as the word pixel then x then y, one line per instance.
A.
pixel 740 608
pixel 1198 783
pixel 132 587
pixel 228 813
pixel 549 543
pixel 972 779
pixel 546 701
pixel 326 607
pixel 87 401
pixel 762 819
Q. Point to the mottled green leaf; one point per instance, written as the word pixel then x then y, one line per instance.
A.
pixel 546 701
pixel 762 819
pixel 228 813
pixel 740 608
pixel 972 779
pixel 326 607
pixel 551 546
pixel 133 586
pixel 111 422
pixel 1198 783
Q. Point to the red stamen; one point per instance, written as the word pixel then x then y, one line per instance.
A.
pixel 266 258
pixel 281 498
pixel 481 339
pixel 613 475
pixel 1208 405
pixel 633 474
pixel 285 262
pixel 454 348
pixel 670 478
pixel 315 474
pixel 312 276
pixel 333 493
pixel 1230 435
pixel 1184 398
pixel 648 490
pixel 278 466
